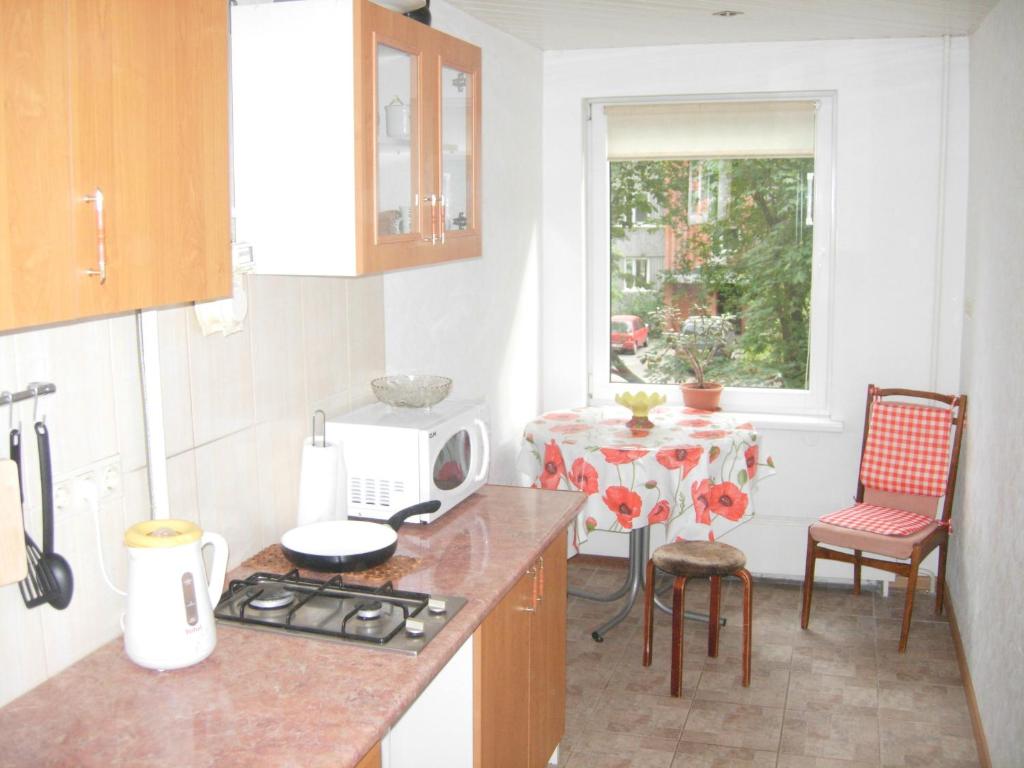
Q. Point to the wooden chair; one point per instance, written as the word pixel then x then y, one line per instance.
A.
pixel 909 457
pixel 691 559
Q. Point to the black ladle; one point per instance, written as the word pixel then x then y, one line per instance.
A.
pixel 59 568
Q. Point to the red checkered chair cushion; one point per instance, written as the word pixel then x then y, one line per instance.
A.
pixel 907 448
pixel 882 520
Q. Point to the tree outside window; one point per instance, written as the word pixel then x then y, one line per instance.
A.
pixel 736 243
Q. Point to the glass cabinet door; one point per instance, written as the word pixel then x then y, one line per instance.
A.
pixel 397 144
pixel 457 147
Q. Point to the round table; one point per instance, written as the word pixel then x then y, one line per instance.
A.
pixel 692 471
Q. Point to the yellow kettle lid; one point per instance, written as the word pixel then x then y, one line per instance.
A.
pixel 162 533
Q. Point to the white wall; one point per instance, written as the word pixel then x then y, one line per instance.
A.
pixel 987 545
pixel 478 321
pixel 889 238
pixel 235 411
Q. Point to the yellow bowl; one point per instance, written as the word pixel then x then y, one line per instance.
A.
pixel 641 403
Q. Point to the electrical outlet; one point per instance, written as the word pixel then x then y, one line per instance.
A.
pixel 104 475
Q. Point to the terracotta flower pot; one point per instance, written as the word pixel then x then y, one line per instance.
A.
pixel 703 398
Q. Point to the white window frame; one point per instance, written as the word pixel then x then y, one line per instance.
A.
pixel 812 401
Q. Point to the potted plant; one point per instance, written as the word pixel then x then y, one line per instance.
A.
pixel 696 340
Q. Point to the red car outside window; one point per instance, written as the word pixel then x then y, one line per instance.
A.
pixel 629 333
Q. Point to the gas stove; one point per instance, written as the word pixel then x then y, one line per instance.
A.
pixel 374 617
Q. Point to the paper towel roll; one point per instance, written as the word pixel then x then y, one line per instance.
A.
pixel 322 483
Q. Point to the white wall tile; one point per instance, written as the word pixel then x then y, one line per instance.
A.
pixel 279 456
pixel 279 375
pixel 366 336
pixel 124 360
pixel 220 374
pixel 172 329
pixel 81 415
pixel 182 486
pixel 135 491
pixel 9 378
pixel 325 337
pixel 21 643
pixel 93 617
pixel 227 475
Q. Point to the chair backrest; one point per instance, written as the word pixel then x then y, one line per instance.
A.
pixel 910 451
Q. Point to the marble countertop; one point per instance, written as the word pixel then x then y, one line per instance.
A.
pixel 267 699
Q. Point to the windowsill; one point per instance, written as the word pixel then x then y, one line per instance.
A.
pixel 794 422
pixel 789 422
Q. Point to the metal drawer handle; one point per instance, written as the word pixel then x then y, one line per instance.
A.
pixel 101 237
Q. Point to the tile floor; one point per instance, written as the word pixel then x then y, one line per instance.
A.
pixel 835 696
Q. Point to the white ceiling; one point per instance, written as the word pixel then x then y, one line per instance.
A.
pixel 564 24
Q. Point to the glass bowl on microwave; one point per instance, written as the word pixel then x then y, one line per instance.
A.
pixel 411 390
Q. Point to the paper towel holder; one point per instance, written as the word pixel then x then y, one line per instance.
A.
pixel 323 427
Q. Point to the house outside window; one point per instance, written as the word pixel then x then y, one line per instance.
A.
pixel 719 208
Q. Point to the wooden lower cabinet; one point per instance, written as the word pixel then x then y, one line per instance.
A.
pixel 519 669
pixel 371 759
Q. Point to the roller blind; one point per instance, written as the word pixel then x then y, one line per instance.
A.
pixel 710 129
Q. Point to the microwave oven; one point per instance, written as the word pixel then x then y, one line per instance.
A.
pixel 397 457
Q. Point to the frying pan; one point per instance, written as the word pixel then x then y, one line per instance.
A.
pixel 348 545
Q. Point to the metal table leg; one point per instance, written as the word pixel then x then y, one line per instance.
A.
pixel 639 544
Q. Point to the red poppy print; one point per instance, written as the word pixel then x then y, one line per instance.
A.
pixel 694 423
pixel 568 429
pixel 745 425
pixel 709 434
pixel 584 476
pixel 554 466
pixel 684 456
pixel 612 422
pixel 751 456
pixel 728 501
pixel 623 455
pixel 659 513
pixel 699 494
pixel 699 411
pixel 624 503
pixel 561 416
pixel 591 524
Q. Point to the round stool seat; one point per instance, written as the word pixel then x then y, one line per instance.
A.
pixel 698 558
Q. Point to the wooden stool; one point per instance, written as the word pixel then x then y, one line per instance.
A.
pixel 689 559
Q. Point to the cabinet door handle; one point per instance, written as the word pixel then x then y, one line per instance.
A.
pixel 433 219
pixel 540 579
pixel 442 215
pixel 101 237
pixel 533 596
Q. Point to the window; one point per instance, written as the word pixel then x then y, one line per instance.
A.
pixel 714 215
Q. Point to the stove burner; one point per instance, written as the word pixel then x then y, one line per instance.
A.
pixel 273 598
pixel 373 617
pixel 370 611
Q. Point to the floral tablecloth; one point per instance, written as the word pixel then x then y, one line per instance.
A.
pixel 693 471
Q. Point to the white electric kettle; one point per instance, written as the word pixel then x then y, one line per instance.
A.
pixel 169 622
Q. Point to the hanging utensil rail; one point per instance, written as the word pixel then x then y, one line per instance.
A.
pixel 34 389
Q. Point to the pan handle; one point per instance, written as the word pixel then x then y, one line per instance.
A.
pixel 424 508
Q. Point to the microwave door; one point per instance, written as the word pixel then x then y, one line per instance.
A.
pixel 453 463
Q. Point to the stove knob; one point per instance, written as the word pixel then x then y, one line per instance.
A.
pixel 414 628
pixel 436 606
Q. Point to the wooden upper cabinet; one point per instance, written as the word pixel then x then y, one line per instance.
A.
pixel 357 143
pixel 38 279
pixel 125 102
pixel 149 129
